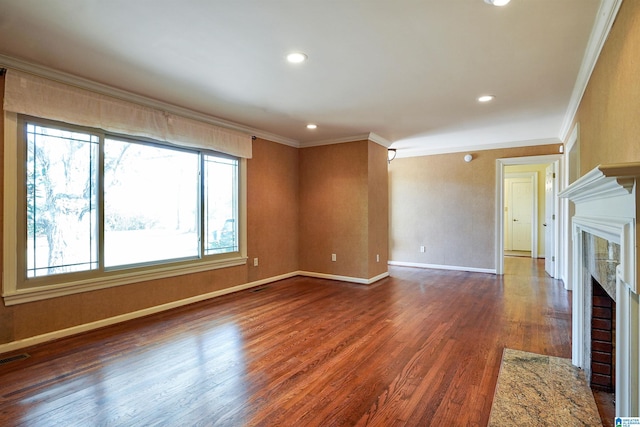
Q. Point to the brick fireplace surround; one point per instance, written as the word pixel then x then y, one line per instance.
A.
pixel 605 236
pixel 603 323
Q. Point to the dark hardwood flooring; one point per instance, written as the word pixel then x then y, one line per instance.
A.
pixel 420 348
pixel 606 407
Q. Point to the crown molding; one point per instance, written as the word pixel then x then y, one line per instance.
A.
pixel 361 137
pixel 80 82
pixel 354 138
pixel 604 21
pixel 374 137
pixel 275 138
pixel 475 148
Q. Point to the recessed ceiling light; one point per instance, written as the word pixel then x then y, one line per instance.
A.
pixel 497 2
pixel 296 57
pixel 312 126
pixel 486 98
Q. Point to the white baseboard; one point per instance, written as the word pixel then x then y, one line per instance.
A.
pixel 443 267
pixel 344 278
pixel 50 336
pixel 85 327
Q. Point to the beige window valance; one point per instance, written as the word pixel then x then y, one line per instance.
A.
pixel 40 97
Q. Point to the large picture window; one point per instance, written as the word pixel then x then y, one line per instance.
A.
pixel 93 205
pixel 150 203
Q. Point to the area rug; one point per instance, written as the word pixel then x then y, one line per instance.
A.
pixel 537 390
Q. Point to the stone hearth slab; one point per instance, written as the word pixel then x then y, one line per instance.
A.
pixel 538 390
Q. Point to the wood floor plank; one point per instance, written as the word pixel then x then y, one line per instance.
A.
pixel 419 348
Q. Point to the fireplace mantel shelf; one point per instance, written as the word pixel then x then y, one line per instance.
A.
pixel 603 181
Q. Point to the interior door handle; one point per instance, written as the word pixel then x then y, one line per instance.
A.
pixel 544 225
pixel 515 220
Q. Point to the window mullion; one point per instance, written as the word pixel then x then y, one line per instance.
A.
pixel 100 213
pixel 201 204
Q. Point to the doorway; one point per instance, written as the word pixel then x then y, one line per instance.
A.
pixel 542 231
pixel 520 213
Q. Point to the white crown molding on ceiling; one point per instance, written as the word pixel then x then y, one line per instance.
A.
pixel 73 80
pixel 475 148
pixel 602 26
pixel 379 140
pixel 362 137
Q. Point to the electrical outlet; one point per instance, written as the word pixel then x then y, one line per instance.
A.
pixel 377 258
pixel 333 257
pixel 255 262
pixel 421 248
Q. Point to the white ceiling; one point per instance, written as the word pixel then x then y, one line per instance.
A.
pixel 408 71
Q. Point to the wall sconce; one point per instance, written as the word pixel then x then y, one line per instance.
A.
pixel 468 158
pixel 391 154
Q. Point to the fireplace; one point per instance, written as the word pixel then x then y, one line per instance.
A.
pixel 603 327
pixel 605 233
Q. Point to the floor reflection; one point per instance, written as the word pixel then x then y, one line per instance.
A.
pixel 202 374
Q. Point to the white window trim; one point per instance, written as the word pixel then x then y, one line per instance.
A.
pixel 13 295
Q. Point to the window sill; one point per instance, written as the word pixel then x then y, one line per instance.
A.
pixel 20 296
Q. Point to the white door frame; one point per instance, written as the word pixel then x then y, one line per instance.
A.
pixel 551 223
pixel 572 149
pixel 500 173
pixel 533 177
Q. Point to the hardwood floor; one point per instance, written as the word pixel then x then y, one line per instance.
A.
pixel 422 347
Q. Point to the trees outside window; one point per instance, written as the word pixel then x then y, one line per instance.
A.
pixel 61 201
pixel 150 203
pixel 221 186
pixel 100 202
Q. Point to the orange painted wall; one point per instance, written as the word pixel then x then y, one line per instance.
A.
pixel 334 209
pixel 344 209
pixel 609 110
pixel 273 216
pixel 448 206
pixel 378 188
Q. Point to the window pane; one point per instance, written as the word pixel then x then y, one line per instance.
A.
pixel 150 203
pixel 61 201
pixel 221 205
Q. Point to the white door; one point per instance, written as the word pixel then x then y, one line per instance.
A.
pixel 521 213
pixel 549 221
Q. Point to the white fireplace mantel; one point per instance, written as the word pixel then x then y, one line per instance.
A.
pixel 606 205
